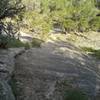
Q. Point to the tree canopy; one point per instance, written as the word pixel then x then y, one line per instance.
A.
pixel 71 15
pixel 10 7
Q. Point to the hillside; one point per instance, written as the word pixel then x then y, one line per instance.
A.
pixel 49 50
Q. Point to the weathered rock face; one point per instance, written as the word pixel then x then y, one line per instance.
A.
pixel 7 63
pixel 46 73
pixel 39 72
pixel 5 91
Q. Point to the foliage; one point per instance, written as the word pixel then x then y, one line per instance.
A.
pixel 69 92
pixel 9 8
pixel 8 42
pixel 75 94
pixel 3 6
pixel 95 23
pixel 41 15
pixel 72 15
pixel 40 24
pixel 36 42
pixel 93 52
pixel 3 41
pixel 96 53
pixel 15 43
pixel 11 42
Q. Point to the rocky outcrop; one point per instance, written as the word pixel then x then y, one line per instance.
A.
pixel 45 73
pixel 48 72
pixel 7 63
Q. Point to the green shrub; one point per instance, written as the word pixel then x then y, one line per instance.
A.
pixel 68 92
pixel 93 52
pixel 8 42
pixel 73 15
pixel 87 49
pixel 15 43
pixel 95 24
pixel 75 94
pixel 96 53
pixel 3 41
pixel 36 42
pixel 69 25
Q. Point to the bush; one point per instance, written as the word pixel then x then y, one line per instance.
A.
pixel 36 42
pixel 15 43
pixel 75 94
pixel 9 8
pixel 3 42
pixel 8 42
pixel 93 52
pixel 95 24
